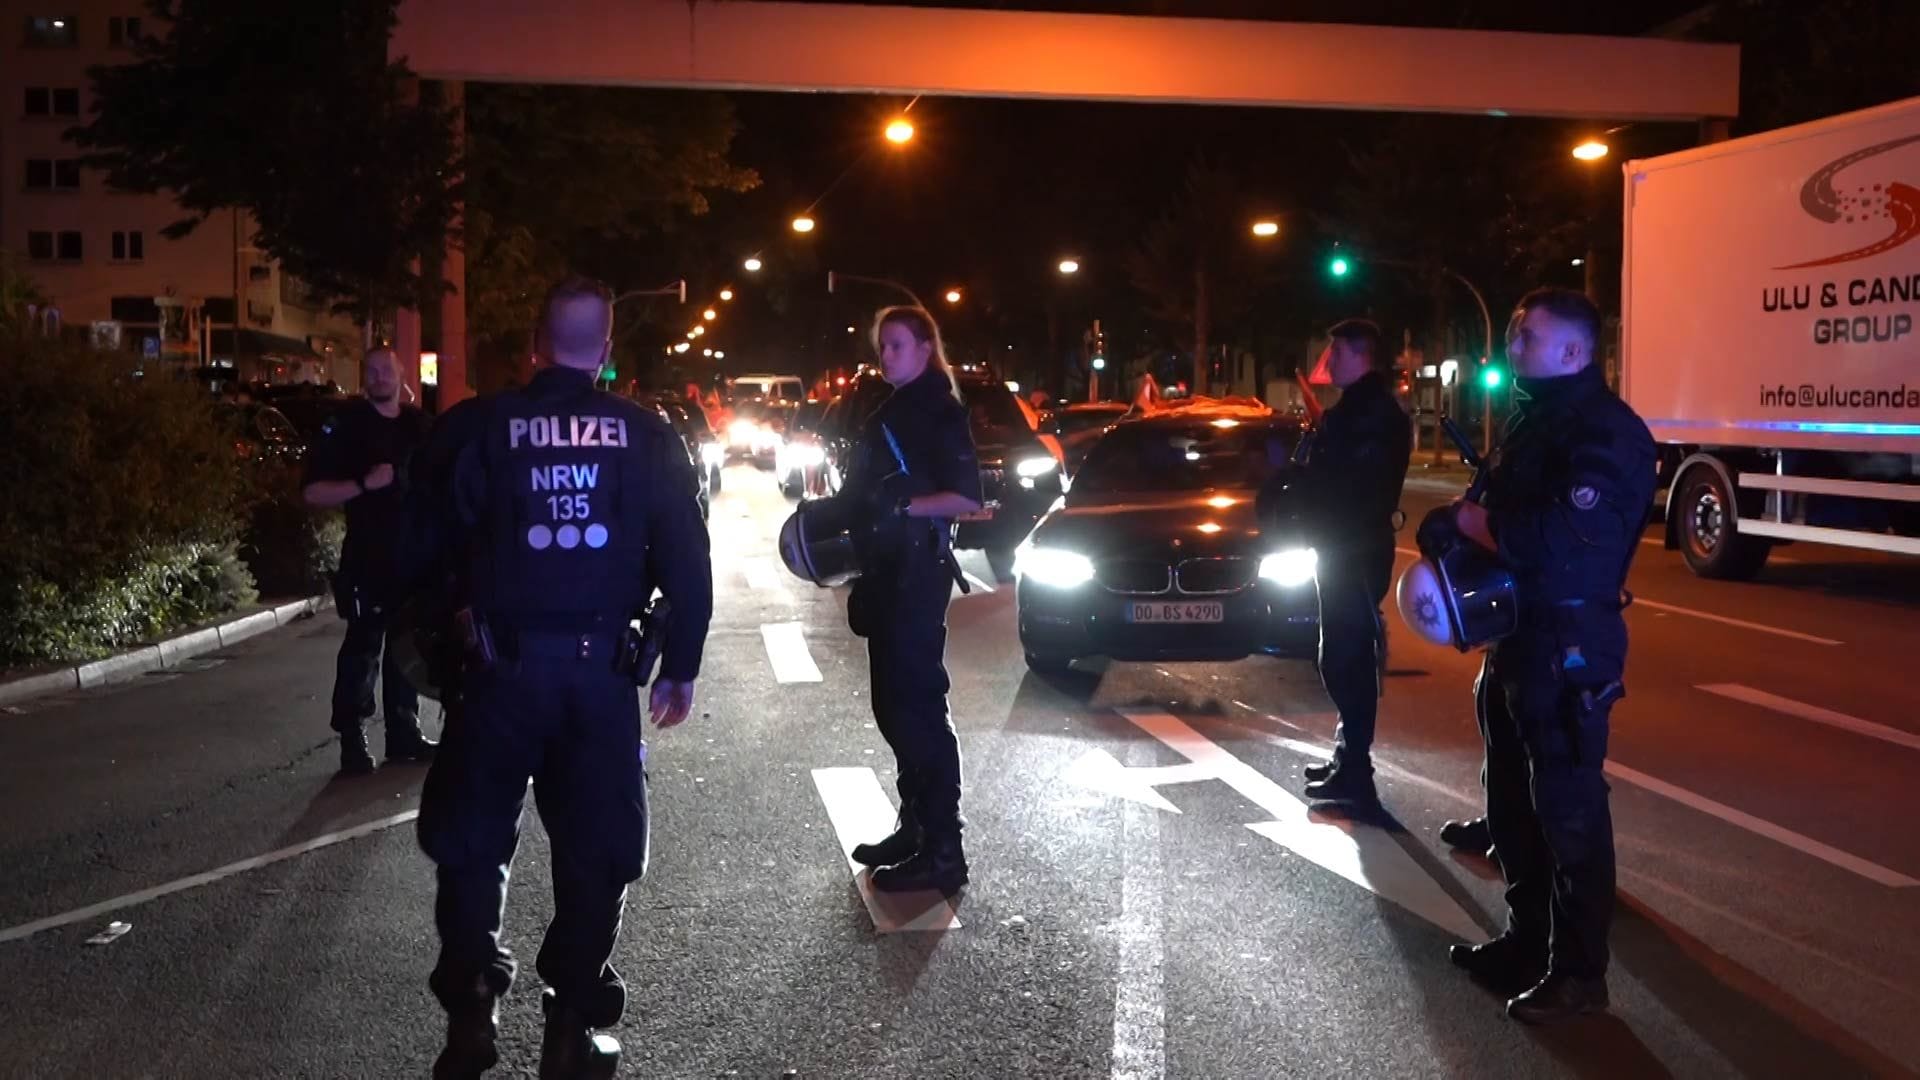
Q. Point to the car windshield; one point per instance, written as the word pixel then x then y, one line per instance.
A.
pixel 809 416
pixel 1074 421
pixel 1154 458
pixel 990 406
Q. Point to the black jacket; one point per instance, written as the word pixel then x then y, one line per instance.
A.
pixel 1354 468
pixel 1569 490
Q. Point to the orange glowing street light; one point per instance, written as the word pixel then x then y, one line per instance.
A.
pixel 698 330
pixel 726 294
pixel 1265 228
pixel 900 132
pixel 1591 150
pixel 753 265
pixel 803 224
pixel 709 314
pixel 953 296
pixel 1069 266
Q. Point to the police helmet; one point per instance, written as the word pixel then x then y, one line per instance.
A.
pixel 817 548
pixel 1463 597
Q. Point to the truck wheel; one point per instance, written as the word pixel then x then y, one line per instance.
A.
pixel 1705 520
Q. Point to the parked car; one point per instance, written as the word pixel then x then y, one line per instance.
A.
pixel 1156 552
pixel 691 426
pixel 800 465
pixel 1077 427
pixel 261 433
pixel 1019 476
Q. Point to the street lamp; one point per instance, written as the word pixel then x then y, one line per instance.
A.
pixel 698 330
pixel 1265 228
pixel 709 314
pixel 682 347
pixel 953 296
pixel 719 355
pixel 691 335
pixel 752 264
pixel 1069 266
pixel 706 352
pixel 1591 150
pixel 803 224
pixel 852 330
pixel 900 132
pixel 726 294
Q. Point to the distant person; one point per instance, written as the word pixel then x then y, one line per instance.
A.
pixel 1564 504
pixel 359 461
pixel 1351 476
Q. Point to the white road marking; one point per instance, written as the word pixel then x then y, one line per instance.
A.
pixel 1815 713
pixel 1812 639
pixel 978 585
pixel 787 651
pixel 860 812
pixel 120 903
pixel 760 573
pixel 1873 872
pixel 1364 855
pixel 1140 992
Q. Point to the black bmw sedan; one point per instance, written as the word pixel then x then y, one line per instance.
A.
pixel 1156 552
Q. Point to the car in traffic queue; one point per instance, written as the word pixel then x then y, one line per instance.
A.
pixel 692 428
pixel 1077 427
pixel 800 465
pixel 1156 552
pixel 1019 476
pixel 758 429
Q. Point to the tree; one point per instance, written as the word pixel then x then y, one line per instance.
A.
pixel 591 180
pixel 292 112
pixel 1802 61
pixel 1195 263
pixel 17 293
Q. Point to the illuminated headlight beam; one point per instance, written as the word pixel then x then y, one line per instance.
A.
pixel 1290 569
pixel 1053 567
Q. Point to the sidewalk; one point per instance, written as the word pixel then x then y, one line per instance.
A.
pixel 1450 478
pixel 160 655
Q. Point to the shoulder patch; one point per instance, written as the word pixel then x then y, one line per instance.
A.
pixel 1585 496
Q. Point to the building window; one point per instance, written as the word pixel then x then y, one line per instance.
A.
pixel 122 32
pixel 39 101
pixel 68 243
pixel 66 101
pixel 52 31
pixel 129 246
pixel 40 246
pixel 54 246
pixel 53 174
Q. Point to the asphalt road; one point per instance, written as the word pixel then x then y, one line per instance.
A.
pixel 1150 898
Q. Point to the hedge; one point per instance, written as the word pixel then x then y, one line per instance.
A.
pixel 128 507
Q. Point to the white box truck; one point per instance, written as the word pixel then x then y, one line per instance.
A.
pixel 1770 336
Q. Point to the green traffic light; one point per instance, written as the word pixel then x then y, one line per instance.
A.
pixel 1492 377
pixel 1339 267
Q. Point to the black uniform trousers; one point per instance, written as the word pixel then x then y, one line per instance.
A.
pixel 1353 647
pixel 365 659
pixel 906 653
pixel 1547 806
pixel 572 725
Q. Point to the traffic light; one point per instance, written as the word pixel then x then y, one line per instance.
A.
pixel 1492 376
pixel 1338 266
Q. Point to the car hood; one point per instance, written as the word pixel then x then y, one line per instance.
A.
pixel 1171 526
pixel 999 447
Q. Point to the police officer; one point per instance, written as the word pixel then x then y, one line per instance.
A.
pixel 913 471
pixel 359 461
pixel 1565 502
pixel 1351 478
pixel 570 506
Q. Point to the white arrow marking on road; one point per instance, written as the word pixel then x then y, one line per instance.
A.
pixel 787 651
pixel 1100 771
pixel 1362 854
pixel 861 813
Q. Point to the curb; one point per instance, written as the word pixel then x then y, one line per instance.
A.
pixel 158 657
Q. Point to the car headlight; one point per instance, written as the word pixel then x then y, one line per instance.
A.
pixel 804 455
pixel 1035 467
pixel 713 454
pixel 1052 566
pixel 1290 568
pixel 743 431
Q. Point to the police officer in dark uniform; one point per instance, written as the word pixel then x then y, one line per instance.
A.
pixel 360 461
pixel 913 471
pixel 569 507
pixel 1350 480
pixel 1567 496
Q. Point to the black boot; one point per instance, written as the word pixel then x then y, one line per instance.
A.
pixel 1505 965
pixel 1559 997
pixel 1318 771
pixel 898 847
pixel 405 745
pixel 571 1050
pixel 1346 783
pixel 355 758
pixel 1471 836
pixel 939 866
pixel 471 1032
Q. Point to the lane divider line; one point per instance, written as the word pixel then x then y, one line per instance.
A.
pixel 787 651
pixel 120 903
pixel 1814 713
pixel 861 813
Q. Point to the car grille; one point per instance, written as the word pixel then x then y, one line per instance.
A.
pixel 1204 577
pixel 1134 576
